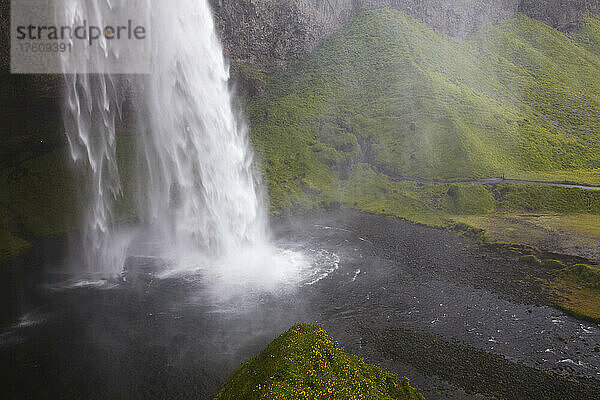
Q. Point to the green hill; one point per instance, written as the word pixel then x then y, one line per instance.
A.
pixel 390 95
pixel 305 363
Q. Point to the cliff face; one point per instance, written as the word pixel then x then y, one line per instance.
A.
pixel 455 17
pixel 564 15
pixel 270 33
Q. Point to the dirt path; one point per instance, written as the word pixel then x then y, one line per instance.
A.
pixel 493 181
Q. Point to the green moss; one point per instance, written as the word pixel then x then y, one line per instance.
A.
pixel 582 274
pixel 531 260
pixel 589 36
pixel 517 99
pixel 549 199
pixel 553 264
pixel 11 246
pixel 305 363
pixel 467 230
pixel 586 177
pixel 250 71
pixel 371 191
pixel 578 291
pixel 469 199
pixel 39 196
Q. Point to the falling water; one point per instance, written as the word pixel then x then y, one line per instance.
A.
pixel 91 105
pixel 196 181
pixel 196 188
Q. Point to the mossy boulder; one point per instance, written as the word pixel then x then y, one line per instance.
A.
pixel 578 290
pixel 305 363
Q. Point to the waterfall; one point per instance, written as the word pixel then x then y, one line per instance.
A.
pixel 195 184
pixel 197 181
pixel 90 107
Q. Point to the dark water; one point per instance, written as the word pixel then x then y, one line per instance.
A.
pixel 143 336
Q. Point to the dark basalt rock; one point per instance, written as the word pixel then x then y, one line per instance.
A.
pixel 564 15
pixel 248 85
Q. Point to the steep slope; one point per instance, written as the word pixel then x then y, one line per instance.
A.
pixel 589 35
pixel 390 95
pixel 305 363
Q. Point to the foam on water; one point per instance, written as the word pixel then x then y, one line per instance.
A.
pixel 196 182
pixel 198 198
pixel 197 192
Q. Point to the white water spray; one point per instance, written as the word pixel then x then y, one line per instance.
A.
pixel 196 181
pixel 91 105
pixel 196 188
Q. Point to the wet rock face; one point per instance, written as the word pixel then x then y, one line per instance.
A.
pixel 248 85
pixel 271 33
pixel 564 15
pixel 455 17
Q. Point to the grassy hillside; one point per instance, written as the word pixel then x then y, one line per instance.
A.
pixel 389 94
pixel 589 36
pixel 305 363
pixel 578 290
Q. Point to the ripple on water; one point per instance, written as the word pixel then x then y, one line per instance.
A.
pixel 234 282
pixel 12 335
pixel 72 284
pixel 323 264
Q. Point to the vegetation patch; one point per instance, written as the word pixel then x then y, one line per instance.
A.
pixel 39 196
pixel 531 259
pixel 11 246
pixel 552 199
pixel 578 290
pixel 305 363
pixel 553 264
pixel 518 99
pixel 586 177
pixel 386 98
pixel 583 275
pixel 468 199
